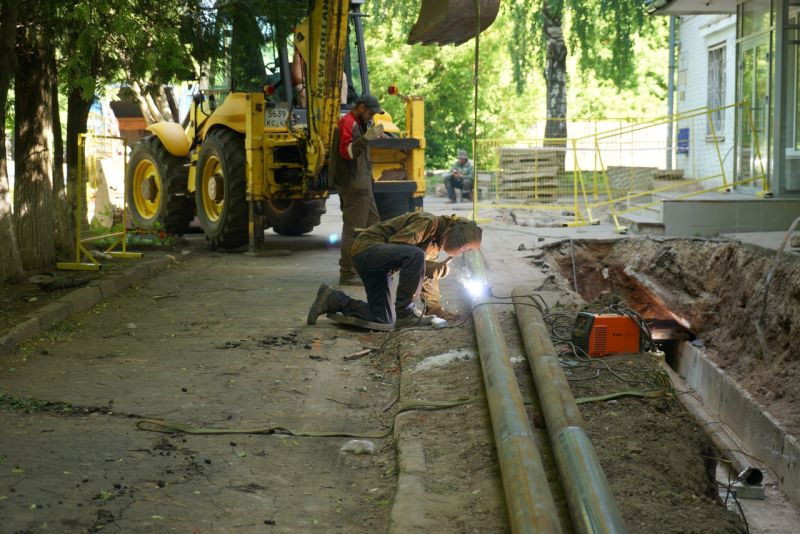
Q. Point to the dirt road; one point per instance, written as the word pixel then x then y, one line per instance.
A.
pixel 219 340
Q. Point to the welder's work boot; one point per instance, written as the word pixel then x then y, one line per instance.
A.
pixel 412 316
pixel 350 279
pixel 360 323
pixel 320 305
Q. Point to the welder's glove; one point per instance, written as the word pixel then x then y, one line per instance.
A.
pixel 374 132
pixel 437 269
pixel 437 310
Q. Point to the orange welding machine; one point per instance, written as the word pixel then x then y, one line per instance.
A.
pixel 605 334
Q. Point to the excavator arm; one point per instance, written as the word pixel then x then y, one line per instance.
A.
pixel 322 41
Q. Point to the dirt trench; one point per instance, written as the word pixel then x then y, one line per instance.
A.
pixel 716 290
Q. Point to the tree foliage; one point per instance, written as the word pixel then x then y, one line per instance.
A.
pixel 605 78
pixel 600 36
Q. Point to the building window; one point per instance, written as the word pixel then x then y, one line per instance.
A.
pixel 716 90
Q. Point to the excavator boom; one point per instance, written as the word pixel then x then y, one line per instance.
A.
pixel 446 22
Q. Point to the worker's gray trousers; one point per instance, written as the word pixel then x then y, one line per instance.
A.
pixel 375 266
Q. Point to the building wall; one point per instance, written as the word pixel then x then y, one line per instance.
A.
pixel 696 35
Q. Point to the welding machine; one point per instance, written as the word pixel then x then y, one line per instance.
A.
pixel 599 334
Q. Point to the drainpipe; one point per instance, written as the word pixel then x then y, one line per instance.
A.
pixel 591 504
pixel 531 508
pixel 670 90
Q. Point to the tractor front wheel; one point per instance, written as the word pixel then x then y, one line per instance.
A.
pixel 155 185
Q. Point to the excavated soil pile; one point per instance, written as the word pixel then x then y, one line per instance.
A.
pixel 716 290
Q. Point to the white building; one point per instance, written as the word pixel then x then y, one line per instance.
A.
pixel 706 77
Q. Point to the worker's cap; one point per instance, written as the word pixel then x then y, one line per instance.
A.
pixel 371 102
pixel 462 154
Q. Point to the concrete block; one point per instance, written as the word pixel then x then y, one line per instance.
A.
pixel 53 313
pixel 113 285
pixel 82 299
pixel 19 334
pixel 146 269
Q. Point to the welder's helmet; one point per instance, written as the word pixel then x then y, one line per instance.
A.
pixel 462 235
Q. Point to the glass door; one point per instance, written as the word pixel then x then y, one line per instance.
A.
pixel 754 117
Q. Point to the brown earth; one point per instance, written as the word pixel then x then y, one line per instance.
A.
pixel 71 459
pixel 717 288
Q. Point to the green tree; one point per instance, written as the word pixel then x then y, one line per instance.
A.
pixel 10 261
pixel 526 72
pixel 599 33
pixel 33 189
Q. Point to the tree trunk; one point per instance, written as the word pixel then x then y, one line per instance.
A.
pixel 77 116
pixel 64 236
pixel 146 104
pixel 10 261
pixel 164 106
pixel 555 72
pixel 33 187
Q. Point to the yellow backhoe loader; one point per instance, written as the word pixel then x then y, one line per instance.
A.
pixel 253 151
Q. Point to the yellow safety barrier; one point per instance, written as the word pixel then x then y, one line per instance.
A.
pixel 82 235
pixel 617 167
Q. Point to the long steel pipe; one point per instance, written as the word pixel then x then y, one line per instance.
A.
pixel 591 504
pixel 531 508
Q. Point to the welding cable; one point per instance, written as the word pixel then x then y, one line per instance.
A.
pixel 170 427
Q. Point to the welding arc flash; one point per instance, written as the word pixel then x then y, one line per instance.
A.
pixel 475 288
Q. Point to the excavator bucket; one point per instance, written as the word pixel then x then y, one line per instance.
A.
pixel 446 22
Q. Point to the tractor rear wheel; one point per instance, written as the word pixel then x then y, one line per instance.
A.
pixel 293 217
pixel 220 192
pixel 155 186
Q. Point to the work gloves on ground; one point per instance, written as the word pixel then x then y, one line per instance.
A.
pixel 437 269
pixel 373 132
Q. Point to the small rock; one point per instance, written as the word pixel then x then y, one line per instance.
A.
pixel 795 242
pixel 131 326
pixel 613 402
pixel 358 446
pixel 521 247
pixel 541 239
pixel 699 343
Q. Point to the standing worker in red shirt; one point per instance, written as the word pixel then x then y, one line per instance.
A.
pixel 351 168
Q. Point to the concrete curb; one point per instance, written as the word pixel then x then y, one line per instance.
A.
pixel 407 513
pixel 77 301
pixel 760 433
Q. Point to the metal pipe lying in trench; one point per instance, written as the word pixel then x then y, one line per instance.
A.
pixel 591 504
pixel 531 508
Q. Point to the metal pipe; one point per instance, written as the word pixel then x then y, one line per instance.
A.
pixel 531 508
pixel 670 90
pixel 589 498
